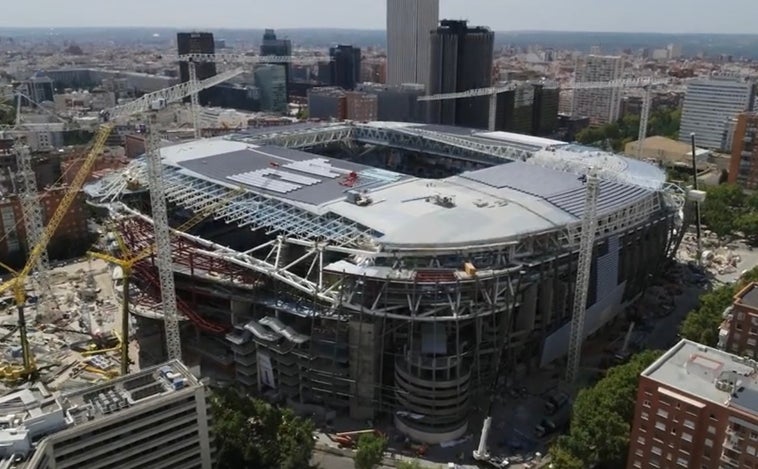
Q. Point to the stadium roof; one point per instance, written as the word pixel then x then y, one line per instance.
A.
pixel 479 207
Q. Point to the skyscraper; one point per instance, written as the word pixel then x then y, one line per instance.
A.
pixel 271 81
pixel 743 168
pixel 461 60
pixel 197 43
pixel 708 107
pixel 279 48
pixel 345 66
pixel 600 105
pixel 409 27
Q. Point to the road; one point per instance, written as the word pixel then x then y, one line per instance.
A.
pixel 331 461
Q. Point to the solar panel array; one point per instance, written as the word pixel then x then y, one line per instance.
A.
pixel 283 182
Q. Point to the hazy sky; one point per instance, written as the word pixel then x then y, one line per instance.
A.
pixel 675 16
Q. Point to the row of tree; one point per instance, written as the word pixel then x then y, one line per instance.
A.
pixel 702 324
pixel 253 434
pixel 601 419
pixel 727 210
pixel 614 136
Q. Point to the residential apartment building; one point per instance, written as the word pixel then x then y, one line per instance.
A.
pixel 743 166
pixel 739 331
pixel 361 107
pixel 154 418
pixel 601 105
pixel 696 408
pixel 709 104
pixel 409 27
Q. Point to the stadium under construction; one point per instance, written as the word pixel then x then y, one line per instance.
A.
pixel 378 268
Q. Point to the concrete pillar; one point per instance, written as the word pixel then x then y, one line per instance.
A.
pixel 545 304
pixel 528 310
pixel 363 369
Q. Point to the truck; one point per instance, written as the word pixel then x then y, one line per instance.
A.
pixel 554 423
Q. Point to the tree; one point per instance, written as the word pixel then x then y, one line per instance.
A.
pixel 601 419
pixel 369 451
pixel 702 324
pixel 723 206
pixel 251 433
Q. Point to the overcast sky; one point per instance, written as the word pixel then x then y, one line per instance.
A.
pixel 675 16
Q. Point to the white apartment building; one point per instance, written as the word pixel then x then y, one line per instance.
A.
pixel 709 107
pixel 154 418
pixel 409 27
pixel 600 105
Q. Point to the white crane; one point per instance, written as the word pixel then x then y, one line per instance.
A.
pixel 164 262
pixel 236 59
pixel 583 269
pixel 29 199
pixel 492 92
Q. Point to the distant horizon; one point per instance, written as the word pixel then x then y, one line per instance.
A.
pixel 376 30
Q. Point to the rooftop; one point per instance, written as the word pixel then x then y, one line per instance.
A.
pixel 708 374
pixel 30 414
pixel 748 296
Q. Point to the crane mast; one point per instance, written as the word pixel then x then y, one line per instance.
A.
pixel 194 99
pixel 644 118
pixel 163 254
pixel 33 218
pixel 584 264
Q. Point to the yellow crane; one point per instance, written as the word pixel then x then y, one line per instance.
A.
pixel 127 263
pixel 17 285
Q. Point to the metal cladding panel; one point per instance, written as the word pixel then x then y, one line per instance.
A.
pixel 527 178
pixel 611 196
pixel 252 167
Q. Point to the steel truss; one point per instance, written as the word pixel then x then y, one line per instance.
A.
pixel 196 256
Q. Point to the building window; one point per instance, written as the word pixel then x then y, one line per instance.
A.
pixel 711 429
pixel 644 415
pixel 645 403
pixel 686 436
pixel 682 462
pixel 660 426
pixel 639 453
pixel 689 424
pixel 641 440
pixel 637 464
pixel 656 450
pixel 708 442
pixel 662 413
pixel 753 436
pixel 751 450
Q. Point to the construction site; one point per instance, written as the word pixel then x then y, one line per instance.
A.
pixel 384 269
pixel 379 271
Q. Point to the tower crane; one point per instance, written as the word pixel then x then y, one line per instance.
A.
pixel 148 102
pixel 493 92
pixel 237 59
pixel 28 196
pixel 584 265
pixel 127 263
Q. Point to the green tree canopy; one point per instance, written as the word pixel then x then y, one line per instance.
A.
pixel 369 451
pixel 601 419
pixel 663 121
pixel 7 113
pixel 251 433
pixel 702 324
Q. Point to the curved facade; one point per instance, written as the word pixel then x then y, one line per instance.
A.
pixel 373 291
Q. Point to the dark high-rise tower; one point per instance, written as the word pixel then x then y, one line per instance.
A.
pixel 461 60
pixel 345 66
pixel 197 43
pixel 279 48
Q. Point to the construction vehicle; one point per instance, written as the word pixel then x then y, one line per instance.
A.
pixel 127 263
pixel 17 285
pixel 493 92
pixel 554 423
pixel 350 439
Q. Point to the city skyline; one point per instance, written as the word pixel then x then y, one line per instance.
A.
pixel 692 16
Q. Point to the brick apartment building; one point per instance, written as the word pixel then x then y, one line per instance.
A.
pixel 739 332
pixel 743 166
pixel 697 407
pixel 71 237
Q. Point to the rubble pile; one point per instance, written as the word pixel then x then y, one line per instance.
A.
pixel 717 256
pixel 72 330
